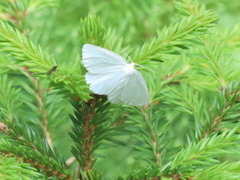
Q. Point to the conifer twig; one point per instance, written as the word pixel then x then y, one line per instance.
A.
pixel 87 144
pixel 230 96
pixel 70 160
pixel 18 20
pixel 153 137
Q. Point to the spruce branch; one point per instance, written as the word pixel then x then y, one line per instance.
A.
pixel 232 37
pixel 93 31
pixel 8 129
pixel 188 160
pixel 169 38
pixel 188 7
pixel 144 173
pixel 25 137
pixel 39 93
pixel 36 60
pixel 14 13
pixel 152 135
pixel 42 112
pixel 217 59
pixel 38 105
pixel 8 104
pixel 14 168
pixel 35 158
pixel 90 128
pixel 225 108
pixel 172 79
pixel 186 99
pixel 150 131
pixel 157 132
pixel 31 149
pixel 4 128
pixel 74 84
pixel 223 171
pixel 18 132
pixel 23 50
pixel 17 11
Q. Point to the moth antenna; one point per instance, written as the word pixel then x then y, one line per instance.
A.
pixel 144 67
pixel 127 55
pixel 135 63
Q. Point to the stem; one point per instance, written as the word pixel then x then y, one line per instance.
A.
pixel 42 111
pixel 153 136
pixel 70 161
pixel 230 100
pixel 214 126
pixel 87 143
pixel 10 132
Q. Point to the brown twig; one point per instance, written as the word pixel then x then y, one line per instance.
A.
pixel 48 170
pixel 87 144
pixel 7 130
pixel 4 128
pixel 70 161
pixel 214 126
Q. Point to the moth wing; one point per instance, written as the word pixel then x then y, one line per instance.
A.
pixel 98 60
pixel 131 90
pixel 104 83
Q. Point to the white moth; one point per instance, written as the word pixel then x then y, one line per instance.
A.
pixel 110 74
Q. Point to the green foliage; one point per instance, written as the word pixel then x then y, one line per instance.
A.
pixel 16 12
pixel 23 51
pixel 14 168
pixel 21 140
pixel 53 127
pixel 8 104
pixel 93 31
pixel 203 153
pixel 227 170
pixel 170 40
pixel 90 127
